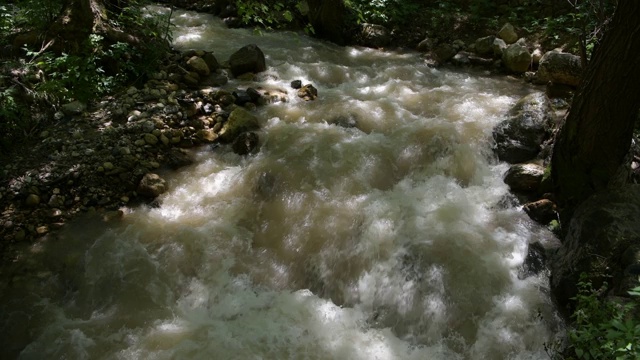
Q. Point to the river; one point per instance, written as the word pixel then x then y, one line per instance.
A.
pixel 388 240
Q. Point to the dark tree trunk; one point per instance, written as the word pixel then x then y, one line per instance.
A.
pixel 591 149
pixel 328 19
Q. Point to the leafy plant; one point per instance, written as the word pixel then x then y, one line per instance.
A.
pixel 604 330
pixel 267 14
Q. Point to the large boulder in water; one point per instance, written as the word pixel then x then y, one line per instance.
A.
pixel 560 68
pixel 240 121
pixel 249 59
pixel 152 185
pixel 602 242
pixel 529 123
pixel 524 177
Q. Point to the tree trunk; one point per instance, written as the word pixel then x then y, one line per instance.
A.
pixel 327 19
pixel 591 150
pixel 78 20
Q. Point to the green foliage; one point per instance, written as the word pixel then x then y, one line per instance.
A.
pixel 37 14
pixel 383 12
pixel 267 14
pixel 604 330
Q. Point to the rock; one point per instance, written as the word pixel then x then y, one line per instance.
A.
pixel 508 34
pixel 242 97
pixel 516 58
pixel 191 79
pixel 444 53
pixel 150 139
pixel 249 59
pixel 461 59
pixel 529 122
pixel 498 47
pixel 56 201
pixel 535 261
pixel 178 158
pixel 459 44
pixel 245 143
pixel 74 108
pixel 239 121
pixel 211 61
pixel 308 92
pixel 536 56
pixel 425 45
pixel 602 242
pixel 373 35
pixel 296 84
pixel 559 91
pixel 542 211
pixel 346 121
pixel 152 185
pixel 206 135
pixel 560 68
pixel 32 200
pixel 524 177
pixel 198 65
pixel 484 45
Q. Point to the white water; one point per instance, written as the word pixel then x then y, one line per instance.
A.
pixel 330 243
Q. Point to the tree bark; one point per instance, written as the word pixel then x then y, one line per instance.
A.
pixel 327 18
pixel 592 147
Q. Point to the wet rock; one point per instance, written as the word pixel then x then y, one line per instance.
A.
pixel 461 59
pixel 308 92
pixel 239 121
pixel 178 158
pixel 560 68
pixel 346 121
pixel 498 47
pixel 529 123
pixel 444 53
pixel 245 143
pixel 296 84
pixel 516 58
pixel 534 263
pixel 152 185
pixel 508 34
pixel 242 97
pixel 524 177
pixel 542 211
pixel 206 135
pixel 249 59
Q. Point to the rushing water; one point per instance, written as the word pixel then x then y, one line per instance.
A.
pixel 385 241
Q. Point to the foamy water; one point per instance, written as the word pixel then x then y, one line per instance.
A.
pixel 383 241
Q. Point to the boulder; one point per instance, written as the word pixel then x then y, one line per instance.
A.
pixel 602 242
pixel 74 108
pixel 375 36
pixel 444 53
pixel 484 45
pixel 240 120
pixel 211 61
pixel 542 211
pixel 245 143
pixel 528 123
pixel 508 34
pixel 308 92
pixel 249 59
pixel 516 58
pixel 498 47
pixel 524 177
pixel 425 45
pixel 152 185
pixel 198 65
pixel 560 68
